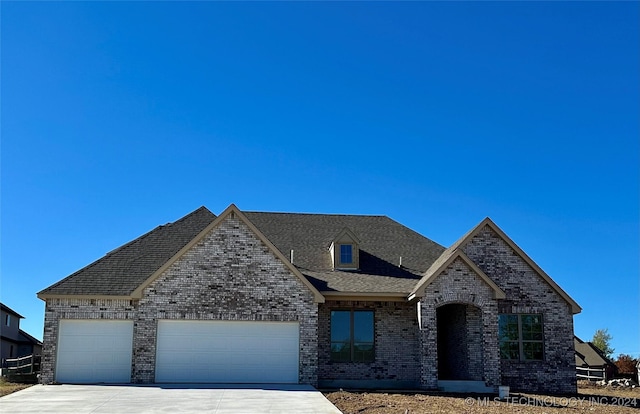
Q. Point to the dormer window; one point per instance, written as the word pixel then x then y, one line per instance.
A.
pixel 346 254
pixel 344 251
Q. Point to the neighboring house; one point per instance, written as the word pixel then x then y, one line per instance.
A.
pixel 14 342
pixel 327 300
pixel 589 357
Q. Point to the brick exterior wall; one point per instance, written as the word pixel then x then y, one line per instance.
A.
pixel 458 284
pixel 396 344
pixel 527 292
pixel 229 275
pixel 475 363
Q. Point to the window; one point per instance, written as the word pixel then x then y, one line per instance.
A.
pixel 346 254
pixel 344 251
pixel 521 337
pixel 7 320
pixel 352 336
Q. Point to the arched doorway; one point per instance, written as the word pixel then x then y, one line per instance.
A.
pixel 459 342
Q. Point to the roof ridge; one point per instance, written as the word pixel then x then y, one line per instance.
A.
pixel 130 242
pixel 418 234
pixel 314 214
pixel 171 223
pixel 8 309
pixel 597 350
pixel 127 244
pixel 28 336
pixel 198 210
pixel 108 254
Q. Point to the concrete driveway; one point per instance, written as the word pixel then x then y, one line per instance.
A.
pixel 168 398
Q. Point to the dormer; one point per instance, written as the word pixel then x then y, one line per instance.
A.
pixel 344 250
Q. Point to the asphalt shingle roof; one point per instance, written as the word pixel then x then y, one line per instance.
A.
pixel 588 355
pixel 382 242
pixel 121 271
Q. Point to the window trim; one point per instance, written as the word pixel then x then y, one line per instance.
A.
pixel 345 237
pixel 336 256
pixel 521 341
pixel 352 341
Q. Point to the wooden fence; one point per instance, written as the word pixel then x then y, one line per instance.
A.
pixel 591 374
pixel 24 365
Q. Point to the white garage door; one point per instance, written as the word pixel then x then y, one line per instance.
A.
pixel 227 351
pixel 94 351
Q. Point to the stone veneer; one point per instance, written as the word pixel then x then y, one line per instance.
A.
pixel 396 362
pixel 228 275
pixel 527 292
pixel 459 284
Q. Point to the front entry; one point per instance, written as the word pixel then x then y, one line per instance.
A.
pixel 459 342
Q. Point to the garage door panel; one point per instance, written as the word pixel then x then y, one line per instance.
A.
pixel 91 351
pixel 227 351
pixel 275 345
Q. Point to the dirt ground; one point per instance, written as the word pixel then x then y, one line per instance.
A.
pixel 9 387
pixel 590 399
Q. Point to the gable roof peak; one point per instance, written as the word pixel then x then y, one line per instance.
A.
pixel 460 243
pixel 346 231
pixel 442 263
pixel 232 211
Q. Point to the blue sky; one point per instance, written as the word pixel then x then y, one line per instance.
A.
pixel 121 116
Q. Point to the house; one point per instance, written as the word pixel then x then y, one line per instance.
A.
pixel 14 342
pixel 326 300
pixel 591 363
